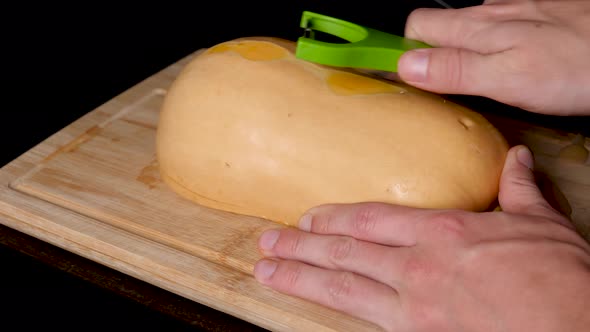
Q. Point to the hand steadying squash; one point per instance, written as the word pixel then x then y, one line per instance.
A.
pixel 406 269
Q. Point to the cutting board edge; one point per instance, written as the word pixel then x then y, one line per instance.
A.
pixel 134 269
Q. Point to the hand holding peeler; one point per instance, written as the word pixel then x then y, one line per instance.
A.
pixel 367 48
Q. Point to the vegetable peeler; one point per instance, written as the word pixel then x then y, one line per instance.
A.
pixel 367 48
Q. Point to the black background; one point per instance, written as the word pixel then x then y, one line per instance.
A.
pixel 62 61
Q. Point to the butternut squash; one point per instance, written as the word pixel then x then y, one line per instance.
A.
pixel 248 128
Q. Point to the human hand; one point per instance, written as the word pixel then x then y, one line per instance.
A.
pixel 531 54
pixel 407 269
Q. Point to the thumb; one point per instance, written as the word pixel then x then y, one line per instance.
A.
pixel 519 192
pixel 448 70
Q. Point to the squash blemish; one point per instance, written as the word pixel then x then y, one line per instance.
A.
pixel 466 123
pixel 399 190
pixel 346 84
pixel 252 50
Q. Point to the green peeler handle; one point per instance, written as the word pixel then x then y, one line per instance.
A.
pixel 367 48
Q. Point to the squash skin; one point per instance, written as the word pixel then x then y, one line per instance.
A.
pixel 272 137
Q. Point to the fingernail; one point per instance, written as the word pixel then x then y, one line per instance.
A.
pixel 264 270
pixel 268 239
pixel 525 157
pixel 305 222
pixel 414 65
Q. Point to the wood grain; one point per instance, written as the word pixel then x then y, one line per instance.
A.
pixel 93 188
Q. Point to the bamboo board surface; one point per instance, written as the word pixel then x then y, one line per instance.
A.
pixel 93 188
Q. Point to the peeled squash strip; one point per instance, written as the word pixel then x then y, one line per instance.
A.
pixel 248 128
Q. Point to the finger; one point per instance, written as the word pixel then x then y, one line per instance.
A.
pixel 459 28
pixel 508 2
pixel 336 252
pixel 450 71
pixel 445 27
pixel 343 291
pixel 382 223
pixel 518 191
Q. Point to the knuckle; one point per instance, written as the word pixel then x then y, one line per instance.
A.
pixel 413 22
pixel 339 288
pixel 418 269
pixel 522 180
pixel 289 275
pixel 453 68
pixel 296 244
pixel 448 223
pixel 340 250
pixel 365 220
pixel 323 225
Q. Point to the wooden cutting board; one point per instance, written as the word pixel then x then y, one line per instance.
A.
pixel 93 188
